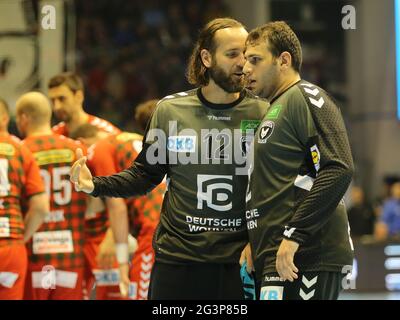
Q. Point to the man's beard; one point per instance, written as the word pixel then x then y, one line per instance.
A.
pixel 230 83
pixel 62 116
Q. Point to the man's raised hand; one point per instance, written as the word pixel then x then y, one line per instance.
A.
pixel 80 174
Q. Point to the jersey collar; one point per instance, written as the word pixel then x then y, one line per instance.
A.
pixel 274 99
pixel 220 106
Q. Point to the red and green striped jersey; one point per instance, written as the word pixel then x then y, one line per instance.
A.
pixel 19 180
pixel 97 224
pixel 59 241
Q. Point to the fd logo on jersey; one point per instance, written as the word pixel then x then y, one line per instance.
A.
pixel 265 132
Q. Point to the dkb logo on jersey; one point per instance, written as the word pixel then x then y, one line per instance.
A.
pixel 215 191
pixel 266 130
pixel 271 293
pixel 106 277
pixel 182 143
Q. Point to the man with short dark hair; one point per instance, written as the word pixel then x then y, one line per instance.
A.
pixel 143 113
pixel 66 92
pixel 202 231
pixel 297 221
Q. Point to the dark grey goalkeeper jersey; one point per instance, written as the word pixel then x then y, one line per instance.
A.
pixel 302 168
pixel 202 148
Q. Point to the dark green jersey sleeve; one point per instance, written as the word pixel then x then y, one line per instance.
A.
pixel 144 174
pixel 320 126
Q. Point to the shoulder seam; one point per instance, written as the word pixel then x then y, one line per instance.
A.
pixel 314 96
pixel 183 94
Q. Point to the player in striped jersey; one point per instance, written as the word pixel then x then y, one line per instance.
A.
pixel 66 93
pixel 20 187
pixel 111 155
pixel 57 247
pixel 67 96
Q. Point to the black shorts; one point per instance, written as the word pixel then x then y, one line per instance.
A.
pixel 317 285
pixel 199 281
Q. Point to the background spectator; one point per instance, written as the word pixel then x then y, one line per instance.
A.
pixel 131 51
pixel 389 224
pixel 361 214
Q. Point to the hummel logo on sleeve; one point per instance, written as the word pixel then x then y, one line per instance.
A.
pixel 288 232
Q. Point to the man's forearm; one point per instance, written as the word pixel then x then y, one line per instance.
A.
pixel 118 216
pixel 38 208
pixel 321 201
pixel 33 221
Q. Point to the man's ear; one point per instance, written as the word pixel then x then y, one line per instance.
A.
pixel 79 96
pixel 5 118
pixel 285 60
pixel 23 116
pixel 206 58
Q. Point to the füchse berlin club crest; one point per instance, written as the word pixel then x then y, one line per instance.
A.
pixel 265 132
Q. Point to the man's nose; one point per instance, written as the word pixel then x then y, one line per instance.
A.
pixel 241 61
pixel 56 104
pixel 247 68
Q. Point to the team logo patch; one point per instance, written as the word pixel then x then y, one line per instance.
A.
pixel 215 192
pixel 265 132
pixel 249 125
pixel 316 157
pixel 274 112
